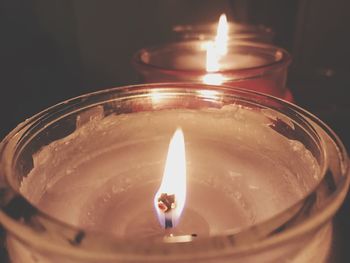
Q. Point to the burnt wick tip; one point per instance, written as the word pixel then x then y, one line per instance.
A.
pixel 166 202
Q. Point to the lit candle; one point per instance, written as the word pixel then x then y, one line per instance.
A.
pixel 244 172
pixel 222 60
pixel 111 171
pixel 216 56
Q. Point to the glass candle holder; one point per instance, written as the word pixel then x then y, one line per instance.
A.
pixel 237 31
pixel 249 65
pixel 264 178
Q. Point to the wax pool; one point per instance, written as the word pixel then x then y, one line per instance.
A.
pixel 103 176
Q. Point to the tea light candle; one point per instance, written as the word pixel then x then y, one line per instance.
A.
pixel 104 176
pixel 224 60
pixel 101 171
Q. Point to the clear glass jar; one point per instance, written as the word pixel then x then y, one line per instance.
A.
pixel 65 170
pixel 250 65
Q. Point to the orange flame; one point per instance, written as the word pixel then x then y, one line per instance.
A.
pixel 215 51
pixel 170 198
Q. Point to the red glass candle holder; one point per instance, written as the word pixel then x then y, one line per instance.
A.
pixel 250 65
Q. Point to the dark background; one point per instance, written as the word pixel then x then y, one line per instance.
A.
pixel 53 50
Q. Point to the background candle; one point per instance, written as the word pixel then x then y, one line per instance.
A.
pixel 93 163
pixel 249 65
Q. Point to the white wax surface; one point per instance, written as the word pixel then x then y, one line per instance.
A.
pixel 105 174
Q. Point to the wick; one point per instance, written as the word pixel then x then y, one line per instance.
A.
pixel 168 223
pixel 166 203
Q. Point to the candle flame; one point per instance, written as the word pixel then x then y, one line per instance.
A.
pixel 215 51
pixel 169 200
pixel 221 38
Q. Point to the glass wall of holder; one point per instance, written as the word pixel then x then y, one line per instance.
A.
pixel 237 31
pixel 251 65
pixel 264 179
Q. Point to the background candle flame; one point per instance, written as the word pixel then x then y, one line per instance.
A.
pixel 215 51
pixel 221 38
pixel 174 180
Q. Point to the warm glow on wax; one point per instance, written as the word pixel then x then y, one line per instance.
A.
pixel 215 51
pixel 169 201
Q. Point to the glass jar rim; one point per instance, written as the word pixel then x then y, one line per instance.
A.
pixel 233 26
pixel 18 228
pixel 284 59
